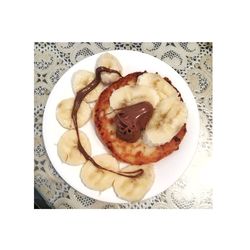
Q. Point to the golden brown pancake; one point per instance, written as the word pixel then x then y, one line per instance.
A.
pixel 136 153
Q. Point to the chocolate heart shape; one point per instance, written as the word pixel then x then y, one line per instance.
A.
pixel 131 120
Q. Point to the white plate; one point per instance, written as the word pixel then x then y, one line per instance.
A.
pixel 167 171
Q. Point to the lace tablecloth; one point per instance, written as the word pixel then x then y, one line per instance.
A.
pixel 193 61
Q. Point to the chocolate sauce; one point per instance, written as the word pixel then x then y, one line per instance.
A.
pixel 77 102
pixel 131 120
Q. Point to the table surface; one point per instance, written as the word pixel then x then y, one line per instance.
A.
pixel 193 61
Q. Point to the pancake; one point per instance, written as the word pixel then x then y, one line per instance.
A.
pixel 136 153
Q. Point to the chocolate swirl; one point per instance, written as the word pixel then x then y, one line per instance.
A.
pixel 131 120
pixel 77 102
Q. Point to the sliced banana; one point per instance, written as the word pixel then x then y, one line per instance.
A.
pixel 129 95
pixel 109 61
pixel 98 179
pixel 67 147
pixel 168 118
pixel 81 79
pixel 64 110
pixel 134 189
pixel 163 88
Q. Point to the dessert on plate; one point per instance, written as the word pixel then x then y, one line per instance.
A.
pixel 140 118
pixel 138 122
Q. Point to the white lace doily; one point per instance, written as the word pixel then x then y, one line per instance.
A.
pixel 193 61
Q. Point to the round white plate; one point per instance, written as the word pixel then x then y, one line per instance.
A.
pixel 167 171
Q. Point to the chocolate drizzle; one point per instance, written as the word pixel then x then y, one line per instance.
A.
pixel 131 120
pixel 77 102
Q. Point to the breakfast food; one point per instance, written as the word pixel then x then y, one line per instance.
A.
pixel 96 178
pixel 67 147
pixel 158 83
pixel 131 120
pixel 168 118
pixel 129 95
pixel 134 189
pixel 141 118
pixel 139 152
pixel 64 110
pixel 109 61
pixel 81 79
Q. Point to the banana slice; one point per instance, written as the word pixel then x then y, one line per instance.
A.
pixel 163 88
pixel 109 61
pixel 134 189
pixel 98 179
pixel 129 95
pixel 67 147
pixel 168 118
pixel 63 113
pixel 81 79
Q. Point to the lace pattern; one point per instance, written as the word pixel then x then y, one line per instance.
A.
pixel 193 61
